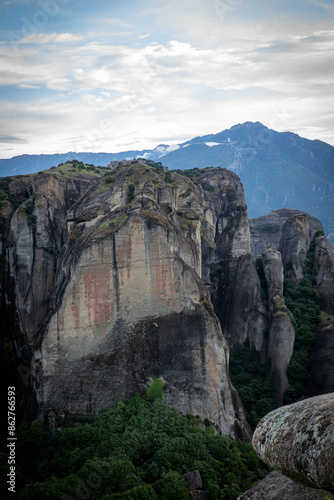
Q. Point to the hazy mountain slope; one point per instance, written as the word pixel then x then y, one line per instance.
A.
pixel 27 164
pixel 277 170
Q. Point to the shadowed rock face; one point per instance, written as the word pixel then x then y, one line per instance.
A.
pixel 298 440
pixel 295 243
pixel 322 377
pixel 281 331
pixel 323 273
pixel 243 311
pixel 267 230
pixel 227 266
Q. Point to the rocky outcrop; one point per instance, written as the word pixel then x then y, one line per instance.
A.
pixel 266 231
pixel 281 331
pixel 323 272
pixel 240 302
pixel 227 266
pixel 116 297
pixel 276 486
pixel 322 376
pixel 111 279
pixel 298 441
pixel 294 245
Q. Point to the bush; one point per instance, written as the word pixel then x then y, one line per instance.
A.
pixel 154 391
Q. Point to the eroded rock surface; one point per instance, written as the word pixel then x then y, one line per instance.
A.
pixel 322 377
pixel 266 230
pixel 120 299
pixel 298 440
pixel 323 272
pixel 281 330
pixel 276 486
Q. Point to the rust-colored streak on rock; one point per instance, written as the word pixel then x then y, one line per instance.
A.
pixel 162 270
pixel 97 295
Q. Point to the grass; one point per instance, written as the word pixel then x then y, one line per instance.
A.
pixel 148 214
pixel 326 319
pixel 112 224
pixel 73 169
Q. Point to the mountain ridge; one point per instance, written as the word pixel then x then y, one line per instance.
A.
pixel 278 169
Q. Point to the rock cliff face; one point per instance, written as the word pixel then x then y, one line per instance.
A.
pixel 267 230
pixel 299 241
pixel 236 290
pixel 322 377
pixel 298 440
pixel 110 279
pixel 323 272
pixel 281 331
pixel 108 294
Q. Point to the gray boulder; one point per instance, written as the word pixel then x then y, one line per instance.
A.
pixel 298 440
pixel 278 487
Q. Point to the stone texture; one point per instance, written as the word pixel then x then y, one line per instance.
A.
pixel 281 330
pixel 298 440
pixel 266 230
pixel 322 377
pixel 276 486
pixel 116 297
pixel 323 272
pixel 227 266
pixel 193 479
pixel 294 245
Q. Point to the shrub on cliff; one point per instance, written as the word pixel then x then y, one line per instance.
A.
pixel 154 391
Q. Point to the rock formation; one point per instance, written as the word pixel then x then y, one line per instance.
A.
pixel 323 272
pixel 108 294
pixel 298 441
pixel 236 289
pixel 111 278
pixel 322 376
pixel 281 330
pixel 298 238
pixel 267 230
pixel 276 486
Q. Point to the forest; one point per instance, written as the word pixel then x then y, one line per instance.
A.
pixel 138 449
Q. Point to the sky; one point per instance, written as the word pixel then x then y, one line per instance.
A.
pixel 105 75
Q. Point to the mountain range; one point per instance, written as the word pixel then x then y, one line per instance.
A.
pixel 278 169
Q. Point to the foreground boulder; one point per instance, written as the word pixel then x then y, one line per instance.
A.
pixel 298 440
pixel 278 487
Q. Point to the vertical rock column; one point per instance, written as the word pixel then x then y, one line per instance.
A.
pixel 281 330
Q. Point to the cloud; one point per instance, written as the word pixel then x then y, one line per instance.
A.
pixel 52 38
pixel 11 138
pixel 209 76
pixel 26 86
